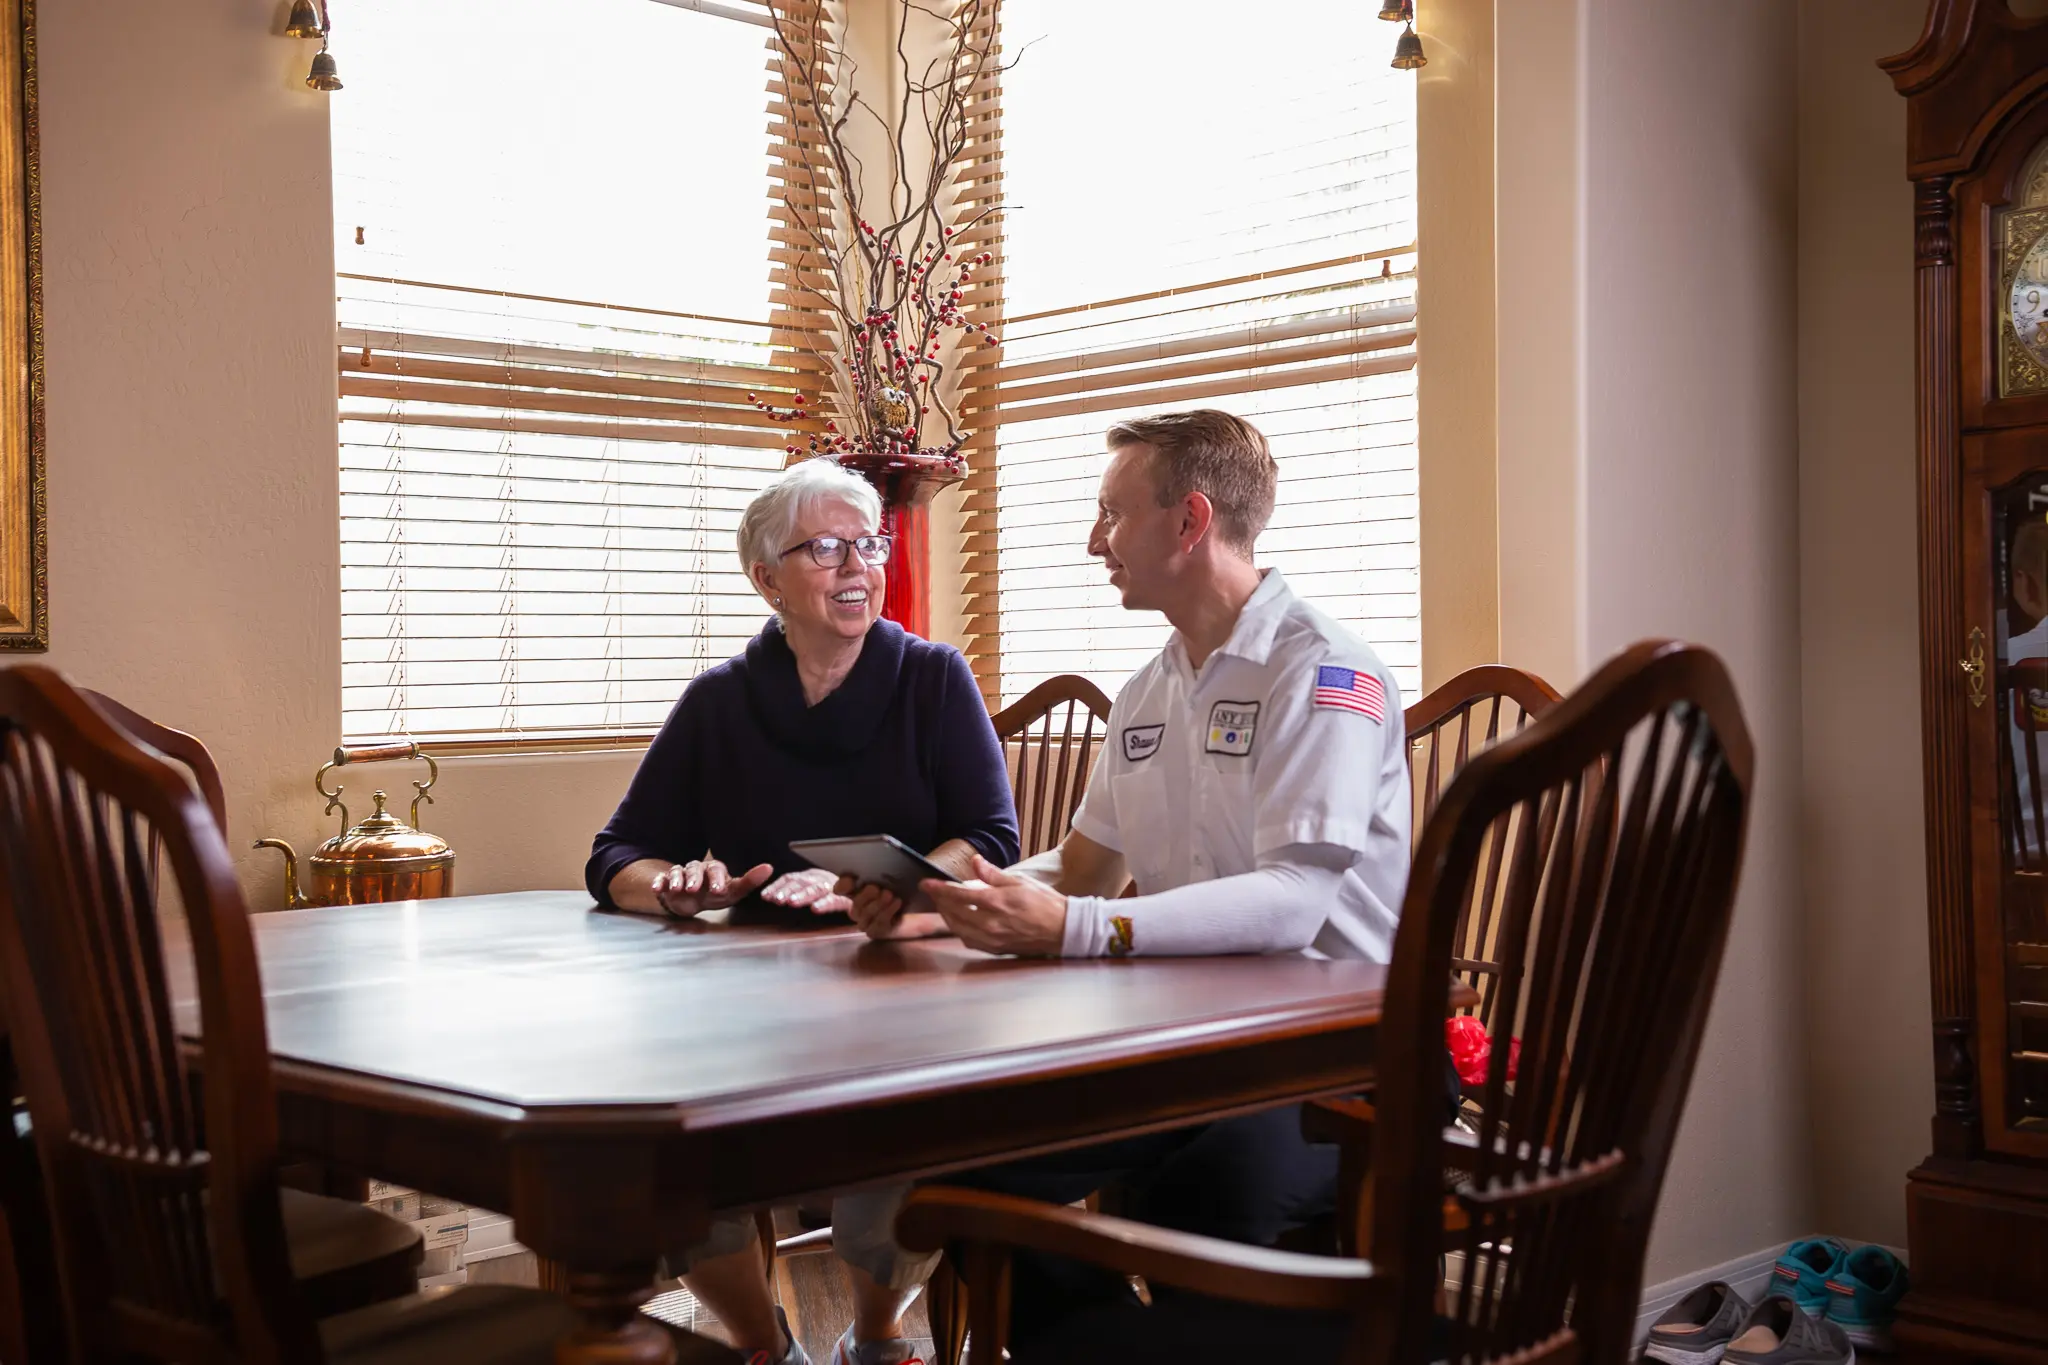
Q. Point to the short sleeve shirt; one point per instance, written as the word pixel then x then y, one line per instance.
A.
pixel 1290 734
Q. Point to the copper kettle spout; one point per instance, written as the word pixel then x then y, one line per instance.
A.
pixel 293 898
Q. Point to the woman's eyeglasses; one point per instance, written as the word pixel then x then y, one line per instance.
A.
pixel 829 552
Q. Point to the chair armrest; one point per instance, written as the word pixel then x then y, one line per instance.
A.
pixel 936 1215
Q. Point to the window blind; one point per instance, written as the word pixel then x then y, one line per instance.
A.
pixel 1240 236
pixel 551 308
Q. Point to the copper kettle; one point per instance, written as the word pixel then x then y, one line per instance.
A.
pixel 381 859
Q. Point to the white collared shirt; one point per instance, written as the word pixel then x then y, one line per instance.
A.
pixel 1290 737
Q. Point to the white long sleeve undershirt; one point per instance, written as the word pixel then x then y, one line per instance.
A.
pixel 1279 907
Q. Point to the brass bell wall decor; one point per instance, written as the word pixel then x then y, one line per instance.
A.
pixel 305 21
pixel 1408 52
pixel 1398 11
pixel 382 859
pixel 323 76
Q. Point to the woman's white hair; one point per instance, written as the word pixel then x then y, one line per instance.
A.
pixel 770 521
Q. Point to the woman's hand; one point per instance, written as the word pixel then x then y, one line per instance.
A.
pixel 879 913
pixel 824 893
pixel 702 884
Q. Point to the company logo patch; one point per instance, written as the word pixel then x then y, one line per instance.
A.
pixel 1141 741
pixel 1231 727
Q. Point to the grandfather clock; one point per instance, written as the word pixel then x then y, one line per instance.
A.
pixel 1976 86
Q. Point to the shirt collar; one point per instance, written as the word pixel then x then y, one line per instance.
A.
pixel 1251 639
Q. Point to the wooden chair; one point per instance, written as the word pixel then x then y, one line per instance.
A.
pixel 353 1258
pixel 173 1239
pixel 1625 810
pixel 1050 736
pixel 187 749
pixel 1464 717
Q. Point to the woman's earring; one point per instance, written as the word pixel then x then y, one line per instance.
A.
pixel 778 604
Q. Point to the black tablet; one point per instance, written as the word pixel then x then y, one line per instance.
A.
pixel 880 859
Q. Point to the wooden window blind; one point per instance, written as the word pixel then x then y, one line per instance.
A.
pixel 1238 236
pixel 551 306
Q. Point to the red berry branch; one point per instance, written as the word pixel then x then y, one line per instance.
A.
pixel 893 288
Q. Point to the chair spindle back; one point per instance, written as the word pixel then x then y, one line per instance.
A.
pixel 1466 716
pixel 169 1233
pixel 1049 737
pixel 1611 831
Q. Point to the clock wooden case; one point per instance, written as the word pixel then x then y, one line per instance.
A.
pixel 1977 152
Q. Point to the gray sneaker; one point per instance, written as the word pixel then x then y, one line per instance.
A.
pixel 895 1351
pixel 1779 1332
pixel 1697 1329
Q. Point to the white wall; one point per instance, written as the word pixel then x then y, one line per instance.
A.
pixel 193 493
pixel 1691 523
pixel 1870 1068
pixel 1648 478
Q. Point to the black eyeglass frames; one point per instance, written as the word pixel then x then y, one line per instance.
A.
pixel 829 552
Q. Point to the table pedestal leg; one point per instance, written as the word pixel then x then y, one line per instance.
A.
pixel 613 1330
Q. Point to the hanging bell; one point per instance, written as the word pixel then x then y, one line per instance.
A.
pixel 1398 11
pixel 323 76
pixel 1408 51
pixel 305 21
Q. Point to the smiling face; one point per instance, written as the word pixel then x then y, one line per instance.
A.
pixel 1136 539
pixel 844 601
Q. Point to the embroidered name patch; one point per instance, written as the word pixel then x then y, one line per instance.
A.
pixel 1141 741
pixel 1231 726
pixel 1347 689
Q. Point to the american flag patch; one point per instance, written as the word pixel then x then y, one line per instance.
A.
pixel 1346 689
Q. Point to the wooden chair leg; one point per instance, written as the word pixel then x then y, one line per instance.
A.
pixel 764 1232
pixel 988 1303
pixel 945 1298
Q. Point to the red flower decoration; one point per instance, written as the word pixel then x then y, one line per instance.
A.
pixel 1472 1050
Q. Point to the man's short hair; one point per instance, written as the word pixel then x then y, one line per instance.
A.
pixel 1214 453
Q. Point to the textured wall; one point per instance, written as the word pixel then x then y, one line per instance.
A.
pixel 1692 524
pixel 1870 1068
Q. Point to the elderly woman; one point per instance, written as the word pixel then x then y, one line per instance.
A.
pixel 831 722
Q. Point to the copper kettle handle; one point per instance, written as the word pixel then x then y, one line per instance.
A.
pixel 376 753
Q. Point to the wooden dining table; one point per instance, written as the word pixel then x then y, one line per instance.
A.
pixel 612 1081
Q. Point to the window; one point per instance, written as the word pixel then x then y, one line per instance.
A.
pixel 552 247
pixel 1216 210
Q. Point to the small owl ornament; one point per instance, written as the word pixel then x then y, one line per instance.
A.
pixel 892 410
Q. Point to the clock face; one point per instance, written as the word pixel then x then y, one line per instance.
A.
pixel 2027 303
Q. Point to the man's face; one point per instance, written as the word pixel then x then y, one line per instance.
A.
pixel 1136 539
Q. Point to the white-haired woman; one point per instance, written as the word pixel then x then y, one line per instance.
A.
pixel 831 722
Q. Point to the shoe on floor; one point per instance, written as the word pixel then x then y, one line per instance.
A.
pixel 1697 1329
pixel 894 1351
pixel 1864 1294
pixel 1779 1332
pixel 1803 1269
pixel 793 1356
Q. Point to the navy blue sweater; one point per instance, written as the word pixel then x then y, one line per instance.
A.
pixel 742 766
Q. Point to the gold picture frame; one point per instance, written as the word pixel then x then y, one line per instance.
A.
pixel 24 549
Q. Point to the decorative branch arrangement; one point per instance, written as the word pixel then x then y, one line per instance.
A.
pixel 889 281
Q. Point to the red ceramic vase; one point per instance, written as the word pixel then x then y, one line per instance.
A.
pixel 907 483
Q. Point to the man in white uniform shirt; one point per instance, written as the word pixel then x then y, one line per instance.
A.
pixel 1255 783
pixel 1255 787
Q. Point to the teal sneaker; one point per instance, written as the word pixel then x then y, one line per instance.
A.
pixel 1802 1272
pixel 1864 1294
